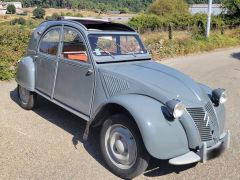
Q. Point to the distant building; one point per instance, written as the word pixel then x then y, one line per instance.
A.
pixel 3 6
pixel 203 8
pixel 114 12
pixel 3 10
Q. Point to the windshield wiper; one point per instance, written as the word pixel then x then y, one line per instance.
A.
pixel 107 52
pixel 127 52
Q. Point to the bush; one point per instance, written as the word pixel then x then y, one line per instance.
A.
pixel 13 44
pixel 11 9
pixel 144 22
pixel 163 48
pixel 20 21
pixel 53 17
pixel 69 14
pixel 78 15
pixel 169 8
pixel 39 13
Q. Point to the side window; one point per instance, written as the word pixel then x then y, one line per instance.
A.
pixel 50 41
pixel 73 46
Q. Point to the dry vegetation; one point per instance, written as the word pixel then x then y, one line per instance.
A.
pixel 85 13
pixel 14 40
pixel 183 43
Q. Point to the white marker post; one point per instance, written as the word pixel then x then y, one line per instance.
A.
pixel 209 18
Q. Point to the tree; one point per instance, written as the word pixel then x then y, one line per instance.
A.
pixel 39 13
pixel 169 8
pixel 11 9
pixel 233 7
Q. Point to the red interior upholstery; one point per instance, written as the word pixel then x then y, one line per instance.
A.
pixel 77 57
pixel 74 53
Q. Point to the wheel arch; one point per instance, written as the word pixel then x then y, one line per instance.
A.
pixel 107 110
pixel 151 123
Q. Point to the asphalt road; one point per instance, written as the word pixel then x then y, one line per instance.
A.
pixel 47 143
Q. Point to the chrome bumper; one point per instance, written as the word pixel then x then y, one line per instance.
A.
pixel 204 152
pixel 216 150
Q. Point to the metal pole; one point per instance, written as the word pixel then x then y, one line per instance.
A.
pixel 209 17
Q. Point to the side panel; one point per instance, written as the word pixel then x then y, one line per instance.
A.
pixel 26 73
pixel 45 73
pixel 163 139
pixel 73 86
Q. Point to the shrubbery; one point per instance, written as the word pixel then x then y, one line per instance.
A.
pixel 39 13
pixel 20 21
pixel 13 43
pixel 11 9
pixel 163 48
pixel 197 23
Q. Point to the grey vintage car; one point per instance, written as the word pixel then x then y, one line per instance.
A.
pixel 101 71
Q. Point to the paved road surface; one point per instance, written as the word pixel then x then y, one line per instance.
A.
pixel 46 143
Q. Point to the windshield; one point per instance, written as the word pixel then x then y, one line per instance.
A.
pixel 112 45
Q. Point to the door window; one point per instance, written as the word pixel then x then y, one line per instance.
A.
pixel 73 46
pixel 50 41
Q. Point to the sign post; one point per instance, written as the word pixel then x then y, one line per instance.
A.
pixel 209 18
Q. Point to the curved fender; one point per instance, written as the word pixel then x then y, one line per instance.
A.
pixel 163 139
pixel 26 73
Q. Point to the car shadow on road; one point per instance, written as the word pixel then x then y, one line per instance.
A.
pixel 68 122
pixel 159 168
pixel 76 126
pixel 236 55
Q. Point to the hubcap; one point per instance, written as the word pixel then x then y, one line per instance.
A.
pixel 24 95
pixel 121 146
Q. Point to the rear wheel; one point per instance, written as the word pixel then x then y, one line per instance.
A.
pixel 26 98
pixel 122 147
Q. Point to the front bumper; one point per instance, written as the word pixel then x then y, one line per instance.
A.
pixel 204 153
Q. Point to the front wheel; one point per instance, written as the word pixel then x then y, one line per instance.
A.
pixel 26 98
pixel 122 147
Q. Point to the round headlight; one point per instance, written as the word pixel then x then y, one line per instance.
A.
pixel 175 108
pixel 219 96
pixel 223 98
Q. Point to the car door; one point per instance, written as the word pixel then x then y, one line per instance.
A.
pixel 75 75
pixel 46 60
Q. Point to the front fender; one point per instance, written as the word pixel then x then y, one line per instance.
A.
pixel 163 139
pixel 26 73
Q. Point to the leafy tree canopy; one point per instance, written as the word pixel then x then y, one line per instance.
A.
pixel 105 5
pixel 39 12
pixel 11 9
pixel 233 7
pixel 169 8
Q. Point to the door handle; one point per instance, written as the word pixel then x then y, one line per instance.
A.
pixel 89 72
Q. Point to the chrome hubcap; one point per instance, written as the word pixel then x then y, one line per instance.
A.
pixel 121 146
pixel 24 95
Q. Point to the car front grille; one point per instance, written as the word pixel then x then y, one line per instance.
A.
pixel 200 117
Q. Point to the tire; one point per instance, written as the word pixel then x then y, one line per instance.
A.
pixel 26 98
pixel 122 147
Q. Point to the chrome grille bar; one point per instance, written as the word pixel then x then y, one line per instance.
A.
pixel 199 117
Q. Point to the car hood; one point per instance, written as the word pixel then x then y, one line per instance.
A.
pixel 158 81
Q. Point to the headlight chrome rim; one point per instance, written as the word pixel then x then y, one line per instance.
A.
pixel 175 108
pixel 219 96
